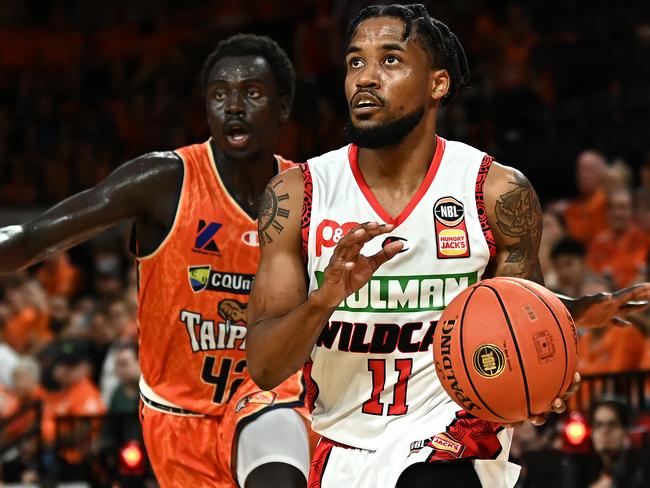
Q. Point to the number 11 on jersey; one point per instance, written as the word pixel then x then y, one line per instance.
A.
pixel 377 368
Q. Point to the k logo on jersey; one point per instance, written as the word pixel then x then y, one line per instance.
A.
pixel 199 276
pixel 205 242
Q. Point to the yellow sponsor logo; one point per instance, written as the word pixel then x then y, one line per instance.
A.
pixel 452 242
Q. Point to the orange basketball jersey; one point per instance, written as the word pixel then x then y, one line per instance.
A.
pixel 194 291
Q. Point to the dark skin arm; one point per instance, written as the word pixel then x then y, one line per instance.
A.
pixel 145 188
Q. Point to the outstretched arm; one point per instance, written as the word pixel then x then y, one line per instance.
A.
pixel 515 217
pixel 132 190
pixel 283 321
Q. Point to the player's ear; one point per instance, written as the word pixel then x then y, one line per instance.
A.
pixel 285 109
pixel 440 84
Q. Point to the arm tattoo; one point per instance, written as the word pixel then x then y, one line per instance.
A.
pixel 519 216
pixel 270 214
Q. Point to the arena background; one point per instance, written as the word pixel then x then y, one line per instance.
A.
pixel 85 86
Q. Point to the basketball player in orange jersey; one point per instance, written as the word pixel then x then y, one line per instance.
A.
pixel 432 217
pixel 205 422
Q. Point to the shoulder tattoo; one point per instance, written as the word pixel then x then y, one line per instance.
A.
pixel 271 213
pixel 519 216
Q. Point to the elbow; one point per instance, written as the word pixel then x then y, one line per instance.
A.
pixel 261 376
pixel 259 367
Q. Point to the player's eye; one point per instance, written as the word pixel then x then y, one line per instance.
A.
pixel 220 95
pixel 252 93
pixel 356 63
pixel 391 60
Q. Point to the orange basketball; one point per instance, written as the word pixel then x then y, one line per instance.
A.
pixel 505 348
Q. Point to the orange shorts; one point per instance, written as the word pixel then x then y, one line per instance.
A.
pixel 198 452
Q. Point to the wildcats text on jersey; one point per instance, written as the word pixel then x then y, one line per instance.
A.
pixel 387 294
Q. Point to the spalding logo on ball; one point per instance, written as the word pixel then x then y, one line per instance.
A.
pixel 505 348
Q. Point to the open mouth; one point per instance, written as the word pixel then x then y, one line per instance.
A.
pixel 237 134
pixel 365 103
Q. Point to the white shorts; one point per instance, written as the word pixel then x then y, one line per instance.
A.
pixel 439 436
pixel 276 436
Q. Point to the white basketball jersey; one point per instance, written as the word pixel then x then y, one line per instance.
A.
pixel 372 367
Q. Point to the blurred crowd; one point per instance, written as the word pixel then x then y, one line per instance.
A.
pixel 85 86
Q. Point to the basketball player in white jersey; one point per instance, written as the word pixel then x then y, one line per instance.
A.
pixel 432 217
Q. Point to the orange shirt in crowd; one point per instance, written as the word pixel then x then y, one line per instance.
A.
pixel 587 218
pixel 59 276
pixel 27 327
pixel 81 399
pixel 621 256
pixel 617 349
pixel 11 404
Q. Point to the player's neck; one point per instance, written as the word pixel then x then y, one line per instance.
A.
pixel 245 180
pixel 402 165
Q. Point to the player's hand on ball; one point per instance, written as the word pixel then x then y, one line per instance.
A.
pixel 558 406
pixel 348 269
pixel 604 309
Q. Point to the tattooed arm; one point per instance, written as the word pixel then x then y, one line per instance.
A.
pixel 283 324
pixel 515 217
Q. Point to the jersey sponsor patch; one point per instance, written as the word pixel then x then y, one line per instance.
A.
pixel 205 242
pixel 451 230
pixel 439 442
pixel 330 232
pixel 256 398
pixel 204 278
pixel 387 294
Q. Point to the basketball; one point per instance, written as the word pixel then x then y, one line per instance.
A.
pixel 505 348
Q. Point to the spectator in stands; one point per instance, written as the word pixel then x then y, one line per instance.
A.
pixel 642 214
pixel 126 396
pixel 78 395
pixel 619 253
pixel 123 323
pixel 610 350
pixel 585 216
pixel 8 357
pixel 615 462
pixel 554 231
pixel 27 327
pixel 573 276
pixel 59 276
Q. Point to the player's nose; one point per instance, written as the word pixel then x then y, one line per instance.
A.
pixel 368 76
pixel 234 103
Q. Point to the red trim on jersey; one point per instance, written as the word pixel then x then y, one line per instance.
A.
pixel 306 210
pixel 312 387
pixel 424 186
pixel 480 204
pixel 466 437
pixel 319 462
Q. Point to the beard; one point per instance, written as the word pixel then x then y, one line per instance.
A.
pixel 385 135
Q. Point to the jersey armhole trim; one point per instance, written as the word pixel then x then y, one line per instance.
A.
pixel 305 220
pixel 179 208
pixel 480 204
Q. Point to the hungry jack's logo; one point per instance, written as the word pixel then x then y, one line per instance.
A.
pixel 204 241
pixel 451 231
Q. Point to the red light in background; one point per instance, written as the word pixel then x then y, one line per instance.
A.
pixel 131 455
pixel 576 432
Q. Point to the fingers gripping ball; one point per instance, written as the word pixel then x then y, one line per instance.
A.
pixel 505 348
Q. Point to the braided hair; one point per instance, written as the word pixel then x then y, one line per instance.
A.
pixel 444 48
